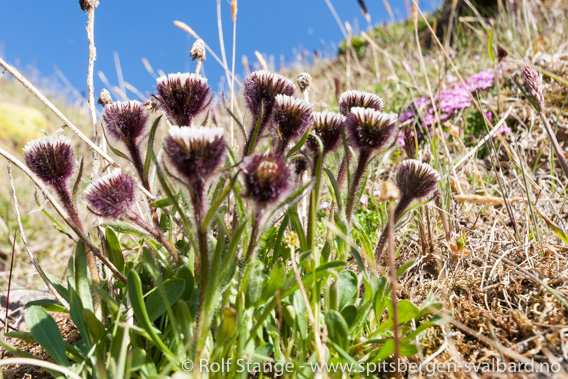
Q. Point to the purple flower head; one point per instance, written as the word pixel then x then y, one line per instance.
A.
pixel 112 195
pixel 183 96
pixel 409 143
pixel 51 159
pixel 370 129
pixel 267 178
pixel 533 84
pixel 292 117
pixel 195 152
pixel 327 126
pixel 260 90
pixel 355 98
pixel 416 179
pixel 125 121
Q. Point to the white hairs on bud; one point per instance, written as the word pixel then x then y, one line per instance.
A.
pixel 52 140
pixel 416 165
pixel 103 181
pixel 376 117
pixel 183 77
pixel 189 134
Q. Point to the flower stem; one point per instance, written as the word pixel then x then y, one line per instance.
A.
pixel 157 235
pixel 316 174
pixel 354 190
pixel 403 203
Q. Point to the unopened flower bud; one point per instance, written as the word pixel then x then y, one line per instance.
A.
pixel 304 81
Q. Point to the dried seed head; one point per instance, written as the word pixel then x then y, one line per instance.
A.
pixel 195 152
pixel 267 178
pixel 112 195
pixel 389 191
pixel 354 98
pixel 105 98
pixel 87 5
pixel 260 90
pixel 533 84
pixel 152 105
pixel 416 179
pixel 292 117
pixel 370 129
pixel 183 96
pixel 125 121
pixel 304 81
pixel 51 159
pixel 198 50
pixel 327 126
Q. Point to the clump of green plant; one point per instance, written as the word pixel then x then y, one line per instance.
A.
pixel 227 264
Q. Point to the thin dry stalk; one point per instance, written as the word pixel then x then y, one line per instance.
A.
pixel 23 237
pixel 90 85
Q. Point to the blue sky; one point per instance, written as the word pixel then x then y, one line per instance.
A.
pixel 50 35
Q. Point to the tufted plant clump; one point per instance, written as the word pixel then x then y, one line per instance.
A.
pixel 215 254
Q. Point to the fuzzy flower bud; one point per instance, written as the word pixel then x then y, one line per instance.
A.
pixel 198 50
pixel 327 126
pixel 354 98
pixel 416 179
pixel 304 81
pixel 195 152
pixel 292 117
pixel 260 90
pixel 370 129
pixel 183 96
pixel 113 195
pixel 267 178
pixel 51 158
pixel 125 121
pixel 533 84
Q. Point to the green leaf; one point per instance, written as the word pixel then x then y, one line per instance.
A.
pixel 335 186
pixel 380 303
pixel 406 311
pixel 115 151
pixel 150 147
pixel 46 332
pixel 96 328
pixel 114 250
pixel 82 285
pixel 348 285
pixel 276 280
pixel 134 285
pixel 337 329
pixel 300 143
pixel 156 304
pixel 48 305
pixel 297 225
pixel 185 274
pixel 349 313
pixel 76 311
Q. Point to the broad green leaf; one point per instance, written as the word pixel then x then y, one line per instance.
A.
pixel 114 250
pixel 337 329
pixel 276 280
pixel 49 305
pixel 46 332
pixel 349 313
pixel 156 305
pixel 150 146
pixel 348 285
pixel 185 274
pixel 82 285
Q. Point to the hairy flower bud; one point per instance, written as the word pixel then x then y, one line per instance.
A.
pixel 51 158
pixel 267 178
pixel 195 152
pixel 370 129
pixel 292 117
pixel 125 121
pixel 113 195
pixel 87 5
pixel 183 96
pixel 327 126
pixel 416 179
pixel 355 98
